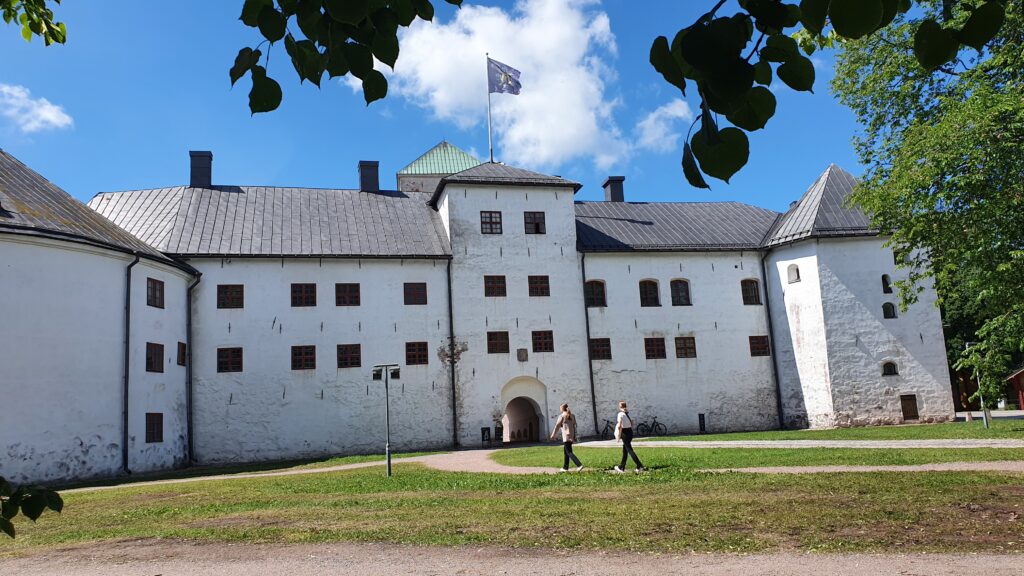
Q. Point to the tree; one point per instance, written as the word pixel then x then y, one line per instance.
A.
pixel 945 178
pixel 29 500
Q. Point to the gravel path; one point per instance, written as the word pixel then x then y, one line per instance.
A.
pixel 993 443
pixel 169 557
pixel 1016 466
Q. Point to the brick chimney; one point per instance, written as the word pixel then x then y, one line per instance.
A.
pixel 613 189
pixel 201 173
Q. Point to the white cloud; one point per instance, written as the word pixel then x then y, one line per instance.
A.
pixel 563 113
pixel 31 114
pixel 660 130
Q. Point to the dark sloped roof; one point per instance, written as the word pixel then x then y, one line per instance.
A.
pixel 501 175
pixel 444 158
pixel 31 204
pixel 265 221
pixel 822 211
pixel 670 226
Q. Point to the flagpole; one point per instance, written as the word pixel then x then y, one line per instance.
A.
pixel 490 145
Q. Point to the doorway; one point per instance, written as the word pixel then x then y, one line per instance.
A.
pixel 521 421
pixel 908 402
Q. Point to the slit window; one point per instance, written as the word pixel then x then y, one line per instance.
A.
pixel 759 346
pixel 494 286
pixel 539 286
pixel 593 294
pixel 303 357
pixel 415 293
pixel 654 348
pixel 890 369
pixel 154 427
pixel 497 342
pixel 680 293
pixel 600 349
pixel 350 356
pixel 182 354
pixel 303 295
pixel 346 294
pixel 230 296
pixel 793 272
pixel 751 292
pixel 229 359
pixel 649 293
pixel 543 341
pixel 415 353
pixel 154 293
pixel 886 284
pixel 889 310
pixel 154 357
pixel 686 347
pixel 490 222
pixel 534 222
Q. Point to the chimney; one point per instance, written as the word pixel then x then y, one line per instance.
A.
pixel 369 177
pixel 613 189
pixel 201 175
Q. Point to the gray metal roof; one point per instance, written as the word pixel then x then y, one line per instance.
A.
pixel 670 226
pixel 264 221
pixel 822 212
pixel 32 205
pixel 501 175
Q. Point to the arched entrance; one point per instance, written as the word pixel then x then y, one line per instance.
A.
pixel 523 399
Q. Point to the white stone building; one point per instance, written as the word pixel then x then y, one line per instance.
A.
pixel 706 316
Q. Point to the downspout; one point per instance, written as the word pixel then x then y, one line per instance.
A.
pixel 191 455
pixel 451 357
pixel 127 363
pixel 590 361
pixel 771 343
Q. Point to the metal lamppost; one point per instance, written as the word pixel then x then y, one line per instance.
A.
pixel 379 371
pixel 981 395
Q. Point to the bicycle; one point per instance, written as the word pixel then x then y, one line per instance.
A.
pixel 655 428
pixel 608 431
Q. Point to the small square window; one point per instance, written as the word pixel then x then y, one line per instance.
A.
pixel 303 357
pixel 600 349
pixel 751 292
pixel 230 296
pixel 415 353
pixel 686 347
pixel 534 222
pixel 346 294
pixel 593 294
pixel 539 286
pixel 543 341
pixel 497 342
pixel 182 354
pixel 649 293
pixel 494 286
pixel 415 293
pixel 303 295
pixel 350 356
pixel 154 357
pixel 680 293
pixel 759 346
pixel 154 293
pixel 654 348
pixel 490 222
pixel 154 427
pixel 229 359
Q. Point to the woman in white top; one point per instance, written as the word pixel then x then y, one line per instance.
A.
pixel 567 424
pixel 624 432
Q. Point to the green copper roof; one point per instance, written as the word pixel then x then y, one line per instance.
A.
pixel 441 159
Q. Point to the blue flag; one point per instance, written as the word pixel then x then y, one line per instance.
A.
pixel 502 78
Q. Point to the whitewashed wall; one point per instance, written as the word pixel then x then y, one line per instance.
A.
pixel 486 380
pixel 269 411
pixel 734 390
pixel 61 352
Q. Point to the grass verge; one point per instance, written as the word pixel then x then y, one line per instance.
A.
pixel 1000 428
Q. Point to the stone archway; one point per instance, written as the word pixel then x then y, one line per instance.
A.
pixel 522 399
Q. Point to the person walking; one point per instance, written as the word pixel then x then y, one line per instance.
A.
pixel 567 424
pixel 624 433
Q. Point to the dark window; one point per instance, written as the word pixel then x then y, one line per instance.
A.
pixel 543 341
pixel 303 357
pixel 751 292
pixel 600 349
pixel 593 294
pixel 230 295
pixel 888 310
pixel 490 222
pixel 494 286
pixel 415 293
pixel 686 347
pixel 497 342
pixel 534 222
pixel 154 427
pixel 890 369
pixel 539 286
pixel 680 293
pixel 303 295
pixel 908 403
pixel 154 293
pixel 346 294
pixel 154 357
pixel 415 353
pixel 229 359
pixel 349 356
pixel 649 293
pixel 759 346
pixel 886 285
pixel 654 348
pixel 182 354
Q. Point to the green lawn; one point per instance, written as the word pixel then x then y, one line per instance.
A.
pixel 672 508
pixel 1000 428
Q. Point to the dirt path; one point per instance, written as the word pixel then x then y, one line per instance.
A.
pixel 171 558
pixel 983 443
pixel 1015 466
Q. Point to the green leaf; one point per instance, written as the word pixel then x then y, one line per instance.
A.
pixel 983 25
pixel 771 16
pixel 265 95
pixel 9 509
pixel 5 487
pixel 797 73
pixel 722 159
pixel 934 45
pixel 271 24
pixel 308 16
pixel 375 86
pixel 904 6
pixel 246 59
pixel 385 20
pixel 7 527
pixel 288 7
pixel 348 11
pixel 306 59
pixel 813 14
pixel 715 47
pixel 26 33
pixel 763 73
pixel 385 48
pixel 53 500
pixel 889 10
pixel 32 505
pixel 405 11
pixel 424 9
pixel 690 170
pixel 733 82
pixel 359 59
pixel 251 11
pixel 855 19
pixel 663 61
pixel 754 110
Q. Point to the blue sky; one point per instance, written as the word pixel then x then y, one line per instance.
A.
pixel 140 84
